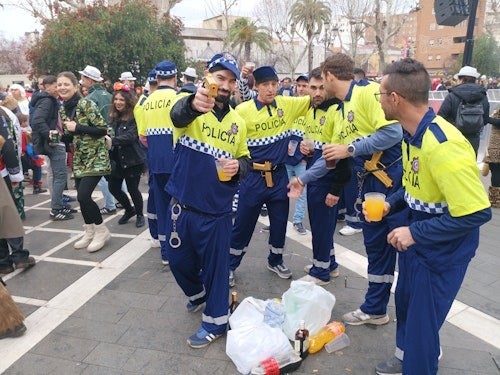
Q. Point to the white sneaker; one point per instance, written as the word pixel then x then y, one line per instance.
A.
pixel 155 242
pixel 314 280
pixel 349 231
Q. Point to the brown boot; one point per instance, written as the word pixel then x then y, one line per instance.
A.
pixel 11 318
pixel 494 195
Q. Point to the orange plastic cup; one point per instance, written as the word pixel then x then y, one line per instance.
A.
pixel 374 206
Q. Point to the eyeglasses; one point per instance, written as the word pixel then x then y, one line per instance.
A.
pixel 378 94
pixel 118 86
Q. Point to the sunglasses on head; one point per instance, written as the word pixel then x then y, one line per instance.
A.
pixel 118 86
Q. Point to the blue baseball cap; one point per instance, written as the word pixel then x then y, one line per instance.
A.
pixel 226 61
pixel 152 76
pixel 166 68
pixel 303 76
pixel 265 73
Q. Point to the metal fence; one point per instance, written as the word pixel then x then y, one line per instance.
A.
pixel 437 97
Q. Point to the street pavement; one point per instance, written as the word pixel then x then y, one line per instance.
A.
pixel 119 310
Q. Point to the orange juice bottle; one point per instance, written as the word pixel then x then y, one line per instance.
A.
pixel 325 335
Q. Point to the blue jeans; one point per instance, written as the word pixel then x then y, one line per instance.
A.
pixel 109 200
pixel 300 203
pixel 59 175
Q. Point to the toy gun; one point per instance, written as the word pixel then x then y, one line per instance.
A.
pixel 265 169
pixel 377 168
pixel 211 85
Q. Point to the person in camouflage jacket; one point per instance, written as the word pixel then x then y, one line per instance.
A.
pixel 81 119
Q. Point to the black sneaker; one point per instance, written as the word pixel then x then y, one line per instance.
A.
pixel 61 214
pixel 38 190
pixel 68 209
pixel 127 216
pixel 139 222
pixel 6 269
pixel 26 263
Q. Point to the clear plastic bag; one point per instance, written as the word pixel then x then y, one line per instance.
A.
pixel 250 312
pixel 309 302
pixel 249 345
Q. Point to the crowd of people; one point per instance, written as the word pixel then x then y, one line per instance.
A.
pixel 245 133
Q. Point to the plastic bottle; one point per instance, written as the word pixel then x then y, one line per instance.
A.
pixel 301 343
pixel 325 334
pixel 281 364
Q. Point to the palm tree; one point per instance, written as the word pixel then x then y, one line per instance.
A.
pixel 243 33
pixel 310 16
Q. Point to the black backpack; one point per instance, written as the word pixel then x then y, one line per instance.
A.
pixel 470 116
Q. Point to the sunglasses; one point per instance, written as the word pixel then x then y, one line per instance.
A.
pixel 118 86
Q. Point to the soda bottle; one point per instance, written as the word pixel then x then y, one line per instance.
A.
pixel 281 364
pixel 325 334
pixel 301 343
pixel 234 302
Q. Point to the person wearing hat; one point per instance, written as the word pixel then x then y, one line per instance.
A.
pixel 91 79
pixel 151 86
pixel 467 91
pixel 270 128
pixel 159 139
pixel 286 88
pixel 127 79
pixel 189 76
pixel 207 129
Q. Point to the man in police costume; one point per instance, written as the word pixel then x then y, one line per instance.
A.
pixel 361 130
pixel 207 128
pixel 152 85
pixel 270 126
pixel 159 133
pixel 447 205
pixel 323 194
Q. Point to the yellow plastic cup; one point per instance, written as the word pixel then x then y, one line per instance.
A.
pixel 223 176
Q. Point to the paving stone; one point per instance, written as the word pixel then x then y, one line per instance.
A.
pixel 39 242
pixel 156 362
pixel 109 355
pixel 36 282
pixel 91 329
pixel 130 299
pixel 69 252
pixel 65 347
pixel 135 285
pixel 34 364
pixel 103 312
pixel 101 370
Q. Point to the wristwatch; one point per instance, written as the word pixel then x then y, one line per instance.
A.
pixel 351 149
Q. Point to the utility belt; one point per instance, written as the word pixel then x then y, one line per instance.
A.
pixel 266 170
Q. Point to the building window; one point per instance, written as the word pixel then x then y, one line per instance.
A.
pixel 432 26
pixel 440 41
pixel 431 42
pixel 438 57
pixel 429 57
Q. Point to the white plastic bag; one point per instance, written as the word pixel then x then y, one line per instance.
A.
pixel 250 312
pixel 309 302
pixel 249 345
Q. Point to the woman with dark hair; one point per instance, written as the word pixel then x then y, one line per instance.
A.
pixel 81 118
pixel 127 158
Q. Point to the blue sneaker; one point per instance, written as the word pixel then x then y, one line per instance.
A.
pixel 192 308
pixel 201 339
pixel 68 198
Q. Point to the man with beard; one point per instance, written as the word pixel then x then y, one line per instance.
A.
pixel 270 127
pixel 207 130
pixel 361 131
pixel 323 194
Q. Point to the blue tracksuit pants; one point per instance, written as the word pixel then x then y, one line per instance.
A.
pixel 323 220
pixel 252 195
pixel 201 264
pixel 158 202
pixel 423 299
